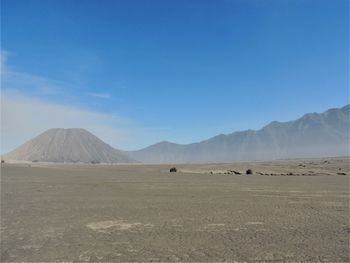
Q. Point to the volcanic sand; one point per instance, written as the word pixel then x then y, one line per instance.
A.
pixel 56 212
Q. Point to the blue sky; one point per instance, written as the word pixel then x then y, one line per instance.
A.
pixel 137 72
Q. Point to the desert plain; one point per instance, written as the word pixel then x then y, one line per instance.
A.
pixel 286 211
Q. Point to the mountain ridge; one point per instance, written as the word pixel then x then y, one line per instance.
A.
pixel 297 138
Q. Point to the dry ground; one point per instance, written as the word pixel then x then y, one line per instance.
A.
pixel 144 213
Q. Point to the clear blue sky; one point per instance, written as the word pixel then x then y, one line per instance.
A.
pixel 181 70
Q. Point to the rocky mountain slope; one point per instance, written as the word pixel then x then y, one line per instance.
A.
pixel 313 135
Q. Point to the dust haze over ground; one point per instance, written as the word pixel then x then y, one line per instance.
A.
pixel 53 212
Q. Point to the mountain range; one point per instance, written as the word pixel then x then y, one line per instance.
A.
pixel 313 135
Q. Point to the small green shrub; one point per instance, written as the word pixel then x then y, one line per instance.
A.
pixel 249 171
pixel 173 170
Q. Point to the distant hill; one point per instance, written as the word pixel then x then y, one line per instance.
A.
pixel 313 135
pixel 67 145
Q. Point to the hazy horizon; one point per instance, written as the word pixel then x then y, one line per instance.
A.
pixel 324 134
pixel 165 140
pixel 135 73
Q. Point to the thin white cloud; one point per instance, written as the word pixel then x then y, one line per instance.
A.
pixel 14 80
pixel 100 95
pixel 24 81
pixel 4 57
pixel 37 85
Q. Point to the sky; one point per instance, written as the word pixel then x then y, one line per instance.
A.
pixel 136 72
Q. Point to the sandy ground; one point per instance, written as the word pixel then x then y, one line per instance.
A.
pixel 144 213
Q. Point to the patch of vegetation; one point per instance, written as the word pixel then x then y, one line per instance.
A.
pixel 2 161
pixel 341 173
pixel 173 170
pixel 249 171
pixel 35 161
pixel 95 162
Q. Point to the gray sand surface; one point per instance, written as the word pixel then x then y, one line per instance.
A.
pixel 144 213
